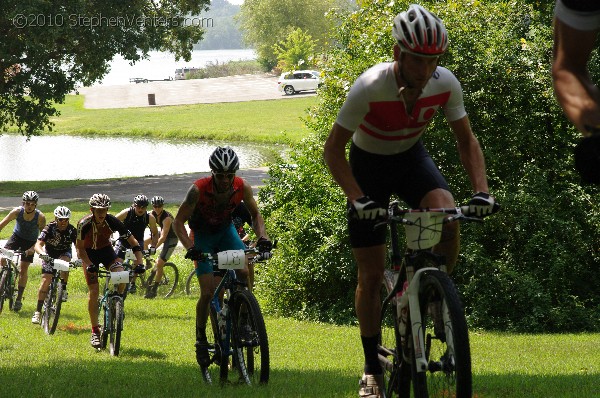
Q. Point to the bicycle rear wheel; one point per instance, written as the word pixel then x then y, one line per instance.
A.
pixel 396 372
pixel 116 326
pixel 250 341
pixel 192 286
pixel 446 340
pixel 52 306
pixel 168 283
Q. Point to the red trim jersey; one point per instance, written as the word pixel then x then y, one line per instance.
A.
pixel 208 212
pixel 377 114
pixel 97 236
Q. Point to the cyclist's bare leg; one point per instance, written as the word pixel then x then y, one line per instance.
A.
pixel 160 263
pixel 44 285
pixel 450 243
pixel 208 284
pixel 371 264
pixel 93 293
pixel 22 278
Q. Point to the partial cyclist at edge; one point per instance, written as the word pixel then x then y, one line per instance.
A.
pixel 207 207
pixel 94 247
pixel 576 28
pixel 168 240
pixel 56 240
pixel 29 221
pixel 136 219
pixel 385 114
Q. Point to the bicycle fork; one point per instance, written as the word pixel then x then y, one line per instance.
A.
pixel 410 299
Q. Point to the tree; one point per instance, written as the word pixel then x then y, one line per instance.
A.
pixel 224 32
pixel 266 22
pixel 533 266
pixel 296 51
pixel 48 47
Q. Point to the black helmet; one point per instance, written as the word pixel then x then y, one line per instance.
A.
pixel 158 201
pixel 224 160
pixel 140 200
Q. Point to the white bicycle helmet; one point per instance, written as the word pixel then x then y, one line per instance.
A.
pixel 62 212
pixel 30 196
pixel 421 32
pixel 224 160
pixel 100 201
pixel 158 201
pixel 140 200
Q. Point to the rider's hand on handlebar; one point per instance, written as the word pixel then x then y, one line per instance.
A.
pixel 139 269
pixel 481 204
pixel 92 268
pixel 264 245
pixel 193 253
pixel 364 208
pixel 152 250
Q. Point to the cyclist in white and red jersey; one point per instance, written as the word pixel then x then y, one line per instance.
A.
pixel 94 247
pixel 385 114
pixel 576 27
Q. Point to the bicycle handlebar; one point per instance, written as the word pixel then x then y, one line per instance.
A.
pixel 72 263
pixel 459 212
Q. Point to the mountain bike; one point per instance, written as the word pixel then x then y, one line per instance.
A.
pixel 238 326
pixel 112 307
pixel 424 334
pixel 53 302
pixel 9 277
pixel 168 283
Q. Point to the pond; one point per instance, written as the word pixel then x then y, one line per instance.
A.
pixel 47 158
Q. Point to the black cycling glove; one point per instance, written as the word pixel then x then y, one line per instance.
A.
pixel 364 208
pixel 587 159
pixel 93 268
pixel 481 204
pixel 264 245
pixel 139 269
pixel 193 253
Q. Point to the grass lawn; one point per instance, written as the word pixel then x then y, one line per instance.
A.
pixel 273 121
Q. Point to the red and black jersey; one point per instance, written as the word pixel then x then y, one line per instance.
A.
pixel 97 236
pixel 209 213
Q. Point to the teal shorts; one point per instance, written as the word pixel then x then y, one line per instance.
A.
pixel 225 238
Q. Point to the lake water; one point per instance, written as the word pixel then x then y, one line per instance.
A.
pixel 161 65
pixel 67 158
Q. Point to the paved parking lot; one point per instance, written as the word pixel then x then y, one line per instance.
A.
pixel 180 92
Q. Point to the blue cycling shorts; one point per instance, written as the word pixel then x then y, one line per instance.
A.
pixel 225 238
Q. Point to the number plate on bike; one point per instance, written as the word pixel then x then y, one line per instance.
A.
pixel 119 277
pixel 231 259
pixel 7 254
pixel 425 230
pixel 61 265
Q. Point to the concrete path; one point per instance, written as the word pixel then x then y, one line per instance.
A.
pixel 180 92
pixel 172 187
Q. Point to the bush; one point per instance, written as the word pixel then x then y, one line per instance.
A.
pixel 529 268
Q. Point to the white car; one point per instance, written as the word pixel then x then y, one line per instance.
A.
pixel 301 80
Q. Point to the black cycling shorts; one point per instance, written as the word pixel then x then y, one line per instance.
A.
pixel 410 175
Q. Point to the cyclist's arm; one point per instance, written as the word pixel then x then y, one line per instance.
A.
pixel 10 217
pixel 138 253
pixel 183 214
pixel 164 232
pixel 258 223
pixel 122 214
pixel 577 94
pixel 82 253
pixel 470 153
pixel 153 230
pixel 335 158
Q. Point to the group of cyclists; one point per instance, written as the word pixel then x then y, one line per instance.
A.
pixel 384 116
pixel 216 209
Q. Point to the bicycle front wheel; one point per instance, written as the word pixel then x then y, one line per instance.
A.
pixel 116 326
pixel 446 340
pixel 192 286
pixel 12 288
pixel 52 306
pixel 168 283
pixel 396 372
pixel 3 288
pixel 250 341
